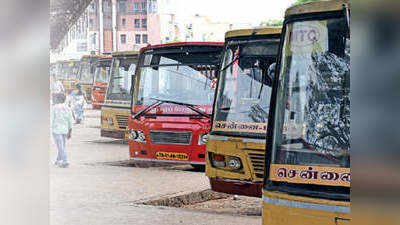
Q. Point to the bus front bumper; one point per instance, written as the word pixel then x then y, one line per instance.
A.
pixel 112 134
pixel 166 161
pixel 237 187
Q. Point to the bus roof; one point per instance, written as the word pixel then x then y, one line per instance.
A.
pixel 96 56
pixel 67 61
pixel 255 31
pixel 125 53
pixel 181 44
pixel 316 7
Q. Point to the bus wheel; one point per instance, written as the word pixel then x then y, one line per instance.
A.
pixel 200 168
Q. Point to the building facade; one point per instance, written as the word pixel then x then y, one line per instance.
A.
pixel 107 26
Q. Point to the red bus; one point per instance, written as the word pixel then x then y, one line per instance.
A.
pixel 173 94
pixel 100 83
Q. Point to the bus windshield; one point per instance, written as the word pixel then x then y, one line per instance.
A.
pixel 121 76
pixel 86 73
pixel 68 70
pixel 312 126
pixel 185 78
pixel 244 92
pixel 102 72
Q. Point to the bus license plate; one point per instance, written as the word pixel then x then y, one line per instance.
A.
pixel 172 156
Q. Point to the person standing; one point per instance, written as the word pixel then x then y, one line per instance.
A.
pixel 77 102
pixel 56 87
pixel 61 127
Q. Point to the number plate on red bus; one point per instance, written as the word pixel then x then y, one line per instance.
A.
pixel 172 156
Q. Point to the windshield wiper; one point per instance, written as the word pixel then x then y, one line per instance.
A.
pixel 233 61
pixel 190 106
pixel 157 103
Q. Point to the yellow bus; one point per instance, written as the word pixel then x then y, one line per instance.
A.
pixel 236 142
pixel 307 174
pixel 66 71
pixel 116 109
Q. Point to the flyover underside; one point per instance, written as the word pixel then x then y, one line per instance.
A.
pixel 63 14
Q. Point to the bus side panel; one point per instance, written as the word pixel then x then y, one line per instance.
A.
pixel 281 214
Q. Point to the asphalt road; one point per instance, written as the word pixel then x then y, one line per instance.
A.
pixel 100 188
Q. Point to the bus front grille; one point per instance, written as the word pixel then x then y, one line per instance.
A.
pixel 122 121
pixel 257 162
pixel 170 137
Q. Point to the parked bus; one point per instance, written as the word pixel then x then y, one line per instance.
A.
pixel 86 73
pixel 101 77
pixel 116 108
pixel 172 102
pixel 236 143
pixel 66 72
pixel 307 174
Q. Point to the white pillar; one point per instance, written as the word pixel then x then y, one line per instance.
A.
pixel 114 24
pixel 88 36
pixel 101 27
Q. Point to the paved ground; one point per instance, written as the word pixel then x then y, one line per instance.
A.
pixel 95 190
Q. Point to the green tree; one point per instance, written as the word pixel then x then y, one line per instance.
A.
pixel 176 39
pixel 272 23
pixel 298 2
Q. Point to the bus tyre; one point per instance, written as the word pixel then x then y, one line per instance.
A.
pixel 199 167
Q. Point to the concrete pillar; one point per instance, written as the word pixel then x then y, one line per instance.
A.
pixel 114 24
pixel 101 27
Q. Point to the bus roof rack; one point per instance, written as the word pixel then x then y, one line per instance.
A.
pixel 254 31
pixel 126 53
pixel 316 7
pixel 96 56
pixel 67 61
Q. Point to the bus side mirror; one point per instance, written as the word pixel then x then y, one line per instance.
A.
pixel 132 85
pixel 271 72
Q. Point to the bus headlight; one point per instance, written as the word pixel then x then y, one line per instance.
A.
pixel 132 135
pixel 234 163
pixel 137 135
pixel 203 139
pixel 218 160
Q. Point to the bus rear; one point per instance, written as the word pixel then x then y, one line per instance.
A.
pixel 172 102
pixel 101 76
pixel 308 166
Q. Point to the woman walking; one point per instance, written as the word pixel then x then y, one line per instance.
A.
pixel 61 127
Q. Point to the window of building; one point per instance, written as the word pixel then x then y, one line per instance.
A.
pixel 91 24
pixel 144 23
pixel 92 8
pixel 144 6
pixel 123 38
pixel 106 4
pixel 137 23
pixel 122 6
pixel 137 38
pixel 144 39
pixel 123 22
pixel 152 6
pixel 136 7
